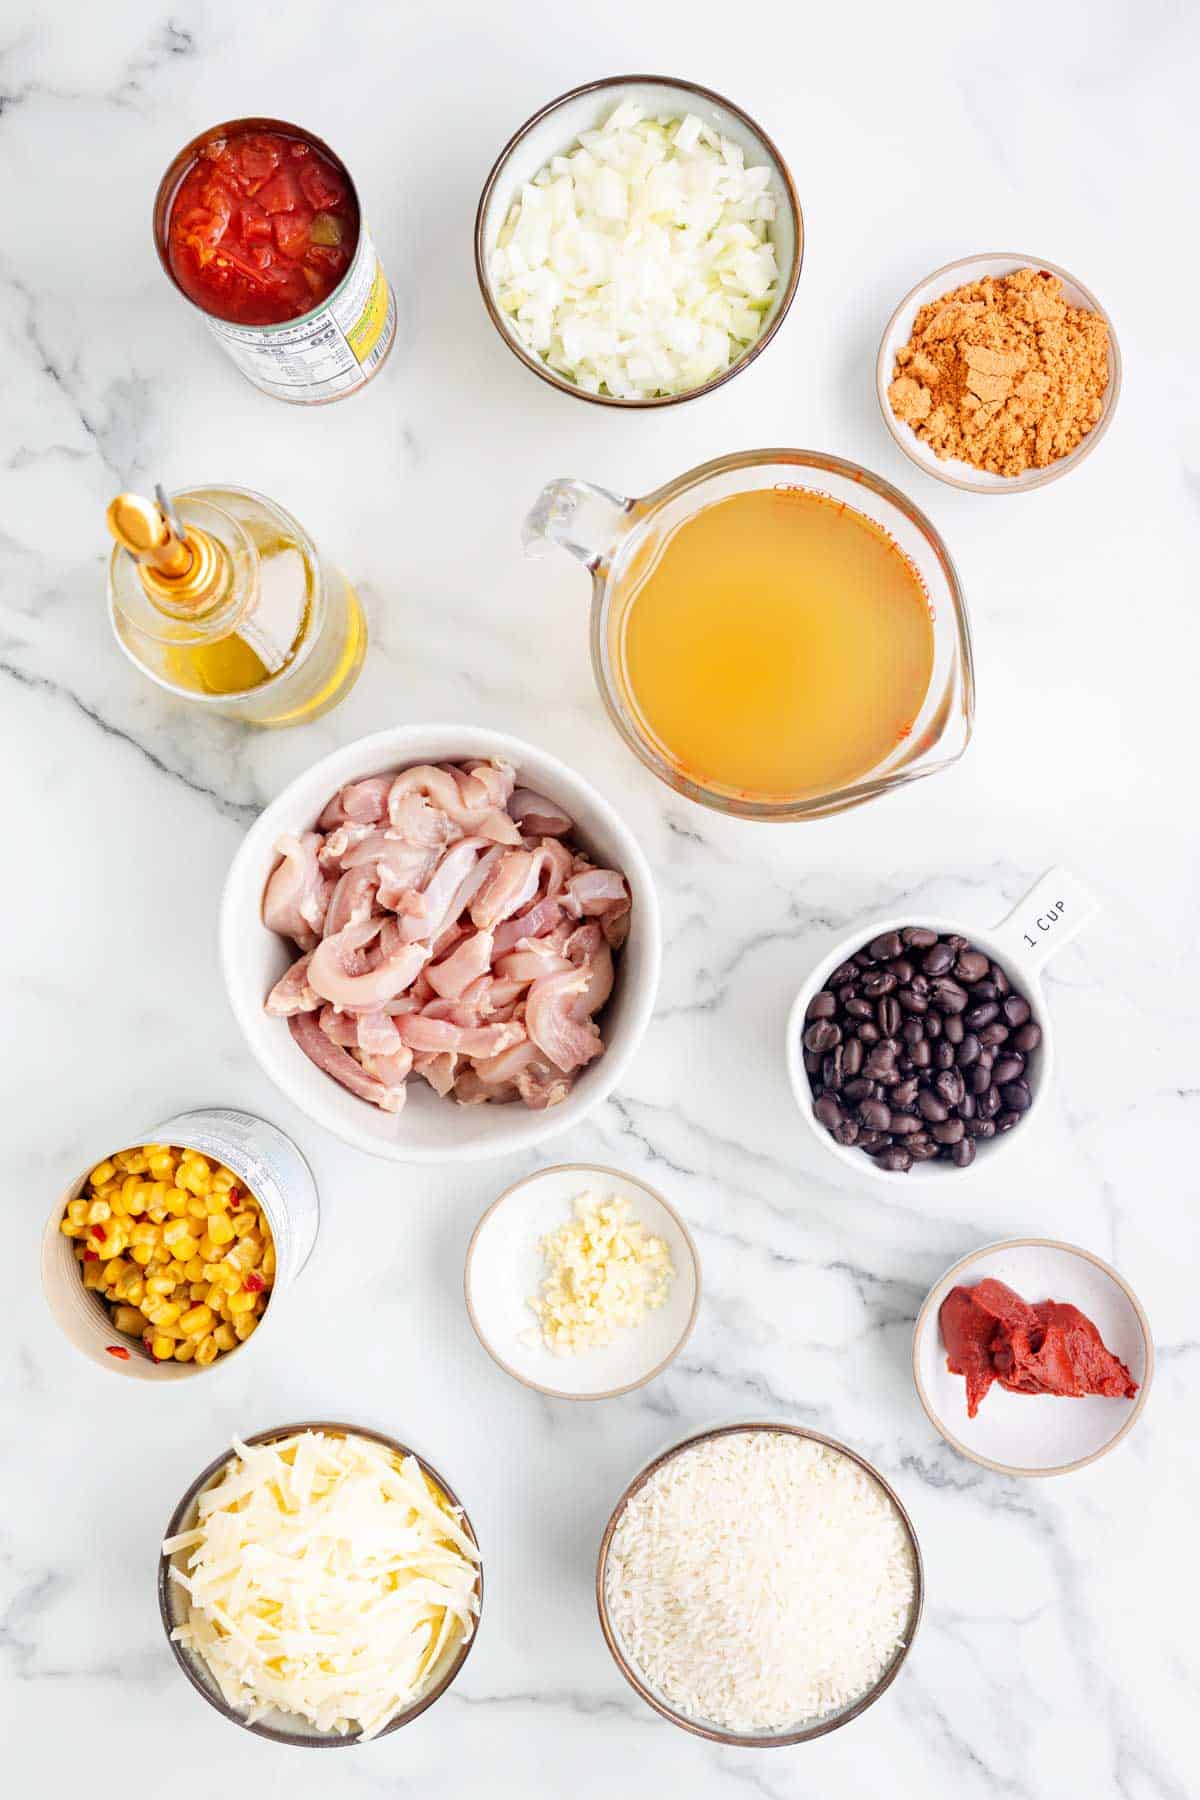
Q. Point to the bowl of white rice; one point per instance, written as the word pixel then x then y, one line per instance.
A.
pixel 759 1584
pixel 638 241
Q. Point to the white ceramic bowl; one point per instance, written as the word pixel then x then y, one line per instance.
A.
pixel 431 1129
pixel 899 329
pixel 554 129
pixel 504 1268
pixel 1036 1434
pixel 1048 917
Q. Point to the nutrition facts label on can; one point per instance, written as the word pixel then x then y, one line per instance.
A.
pixel 332 350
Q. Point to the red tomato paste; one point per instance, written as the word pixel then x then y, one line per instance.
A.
pixel 262 228
pixel 991 1334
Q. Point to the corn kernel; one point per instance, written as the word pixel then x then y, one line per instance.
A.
pixel 77 1211
pixel 167 1313
pixel 244 1325
pixel 241 1302
pixel 68 1227
pixel 160 1284
pixel 267 1265
pixel 206 1350
pixel 220 1230
pixel 161 1346
pixel 132 1161
pixel 200 1290
pixel 102 1172
pixel 197 1320
pixel 112 1245
pixel 174 1230
pixel 196 1209
pixel 130 1320
pixel 161 1165
pixel 225 1337
pixel 93 1275
pixel 177 1202
pixel 117 1269
pixel 185 1350
pixel 245 1219
pixel 141 1254
pixel 215 1296
pixel 99 1212
pixel 144 1232
pixel 131 1288
pixel 195 1177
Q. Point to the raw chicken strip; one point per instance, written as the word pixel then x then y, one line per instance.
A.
pixel 338 1063
pixel 456 972
pixel 297 894
pixel 291 993
pixel 564 1040
pixel 537 815
pixel 332 973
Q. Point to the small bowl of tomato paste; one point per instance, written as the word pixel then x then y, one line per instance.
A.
pixel 1032 1357
pixel 259 225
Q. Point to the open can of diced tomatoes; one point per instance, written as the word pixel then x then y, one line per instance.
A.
pixel 270 1169
pixel 258 224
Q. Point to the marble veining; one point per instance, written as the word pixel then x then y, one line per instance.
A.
pixel 1055 1654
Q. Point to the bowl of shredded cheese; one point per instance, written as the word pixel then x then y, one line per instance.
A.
pixel 759 1585
pixel 638 241
pixel 320 1584
pixel 582 1282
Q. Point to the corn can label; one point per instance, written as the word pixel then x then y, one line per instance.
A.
pixel 331 351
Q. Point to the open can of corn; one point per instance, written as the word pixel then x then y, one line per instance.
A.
pixel 166 1257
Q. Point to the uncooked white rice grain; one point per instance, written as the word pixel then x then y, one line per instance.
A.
pixel 759 1580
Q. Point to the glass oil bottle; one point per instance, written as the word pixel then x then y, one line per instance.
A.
pixel 222 598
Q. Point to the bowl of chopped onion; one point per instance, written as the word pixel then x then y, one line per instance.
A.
pixel 638 241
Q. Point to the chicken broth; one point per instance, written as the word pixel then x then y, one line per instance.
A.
pixel 776 644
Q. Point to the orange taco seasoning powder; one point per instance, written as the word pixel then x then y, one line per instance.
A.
pixel 1003 373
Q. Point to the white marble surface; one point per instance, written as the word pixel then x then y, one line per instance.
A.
pixel 1056 1655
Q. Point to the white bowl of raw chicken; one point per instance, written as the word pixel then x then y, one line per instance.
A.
pixel 432 1128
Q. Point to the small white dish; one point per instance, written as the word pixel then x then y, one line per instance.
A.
pixel 505 1268
pixel 431 1129
pixel 1051 913
pixel 1036 1434
pixel 555 128
pixel 899 329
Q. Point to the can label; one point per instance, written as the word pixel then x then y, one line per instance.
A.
pixel 331 351
pixel 272 1168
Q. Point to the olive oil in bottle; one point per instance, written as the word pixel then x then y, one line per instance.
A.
pixel 222 598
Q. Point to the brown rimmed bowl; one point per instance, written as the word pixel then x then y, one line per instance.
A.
pixel 898 330
pixel 169 1594
pixel 1036 1434
pixel 554 128
pixel 826 1722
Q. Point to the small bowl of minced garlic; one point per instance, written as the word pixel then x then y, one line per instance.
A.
pixel 582 1282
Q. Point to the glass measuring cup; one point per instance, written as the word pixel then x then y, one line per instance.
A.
pixel 609 532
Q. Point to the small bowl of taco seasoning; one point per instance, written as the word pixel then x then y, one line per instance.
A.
pixel 998 373
pixel 258 224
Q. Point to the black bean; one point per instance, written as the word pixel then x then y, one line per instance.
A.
pixel 887 946
pixel 812 1063
pixel 933 1025
pixel 1008 1068
pixel 955 942
pixel 870 1141
pixel 988 1103
pixel 822 1035
pixel 827 1111
pixel 822 1005
pixel 993 1034
pixel 860 1009
pixel 972 965
pixel 879 981
pixel 932 1107
pixel 832 1069
pixel 921 1054
pixel 894 1160
pixel 1016 1009
pixel 981 1128
pixel 950 1085
pixel 980 1078
pixel 1017 1095
pixel 889 1015
pixel 852 1056
pixel 966 1107
pixel 904 1125
pixel 863 959
pixel 912 1032
pixel 950 1131
pixel 858 1089
pixel 846 1131
pixel 948 997
pixel 846 994
pixel 845 972
pixel 938 959
pixel 968 1051
pixel 979 1016
pixel 1006 1120
pixel 963 1153
pixel 953 1029
pixel 1027 1038
pixel 911 1001
pixel 943 1055
pixel 985 990
pixel 922 1148
pixel 867 1031
pixel 919 937
pixel 905 1094
pixel 903 970
pixel 1001 979
pixel 880 1062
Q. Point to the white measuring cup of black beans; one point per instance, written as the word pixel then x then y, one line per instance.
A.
pixel 920 1047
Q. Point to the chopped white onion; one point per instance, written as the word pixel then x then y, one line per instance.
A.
pixel 639 263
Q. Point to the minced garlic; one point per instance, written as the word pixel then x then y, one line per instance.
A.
pixel 604 1273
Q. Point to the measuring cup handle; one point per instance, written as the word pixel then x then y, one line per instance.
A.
pixel 1054 909
pixel 588 521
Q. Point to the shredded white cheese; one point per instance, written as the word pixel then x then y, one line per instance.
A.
pixel 639 263
pixel 760 1580
pixel 326 1577
pixel 604 1272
